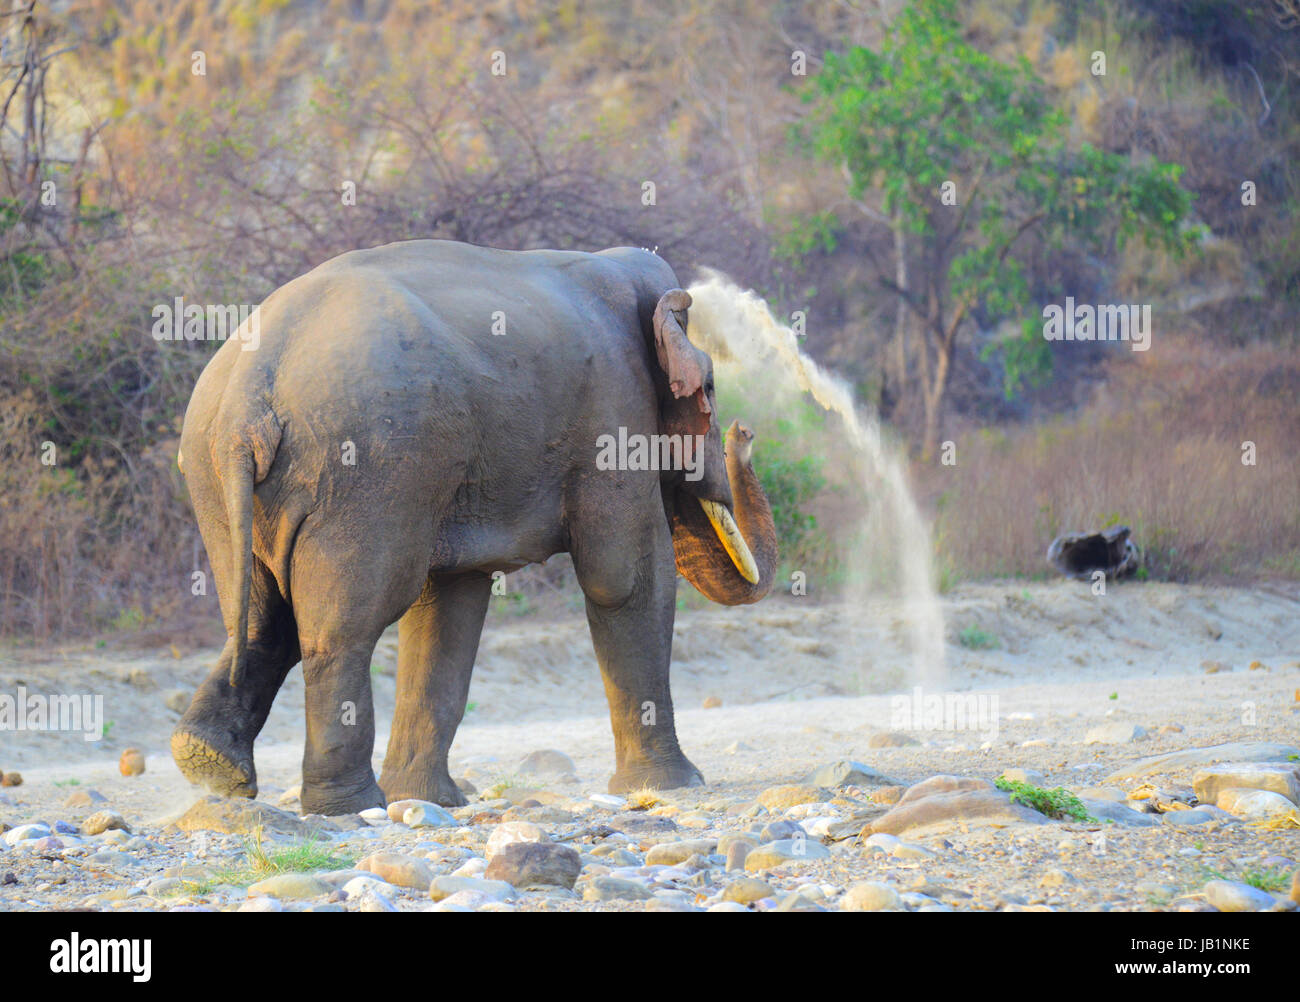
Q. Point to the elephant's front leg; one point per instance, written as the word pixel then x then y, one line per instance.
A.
pixel 630 583
pixel 437 642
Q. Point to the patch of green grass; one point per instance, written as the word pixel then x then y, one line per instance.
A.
pixel 1269 878
pixel 1055 803
pixel 302 857
pixel 1113 695
pixel 67 782
pixel 975 639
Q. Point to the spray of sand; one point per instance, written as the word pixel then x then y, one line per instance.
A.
pixel 738 330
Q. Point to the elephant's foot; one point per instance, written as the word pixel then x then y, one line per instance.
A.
pixel 209 761
pixel 433 785
pixel 668 774
pixel 331 799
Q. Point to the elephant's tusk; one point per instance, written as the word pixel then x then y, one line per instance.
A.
pixel 732 541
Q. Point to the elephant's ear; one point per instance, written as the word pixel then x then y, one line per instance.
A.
pixel 684 364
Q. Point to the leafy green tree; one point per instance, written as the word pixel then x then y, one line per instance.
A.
pixel 960 156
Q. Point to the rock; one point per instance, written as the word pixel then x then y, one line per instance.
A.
pixel 1189 818
pixel 609 801
pixel 1114 732
pixel 237 816
pixel 535 864
pixel 24 833
pixel 399 869
pixel 1215 667
pixel 102 821
pixel 264 904
pixel 290 885
pixel 779 798
pixel 494 890
pixel 1027 776
pixel 85 798
pixel 428 816
pixel 1295 887
pixel 1232 896
pixel 290 796
pixel 1275 777
pixel 375 900
pixel 1256 805
pixel 375 815
pixel 944 784
pixel 394 812
pixel 1109 810
pixel 727 906
pixel 736 747
pixel 870 896
pixel 774 830
pixel 177 700
pixel 695 819
pixel 784 851
pixel 475 867
pixel 511 832
pixel 737 851
pixel 1237 751
pixel 548 763
pixel 131 762
pixel 712 702
pixel 888 795
pixel 746 890
pixel 11 779
pixel 977 806
pixel 846 772
pixel 607 888
pixel 673 853
pixel 357 887
pixel 892 739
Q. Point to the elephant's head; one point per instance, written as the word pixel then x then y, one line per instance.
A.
pixel 724 539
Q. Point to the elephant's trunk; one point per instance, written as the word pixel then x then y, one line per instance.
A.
pixel 723 568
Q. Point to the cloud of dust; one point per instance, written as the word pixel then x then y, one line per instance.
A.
pixel 738 330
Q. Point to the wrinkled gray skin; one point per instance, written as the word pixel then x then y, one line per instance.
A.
pixel 473 453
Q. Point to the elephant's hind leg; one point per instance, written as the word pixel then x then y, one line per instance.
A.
pixel 347 586
pixel 437 643
pixel 213 742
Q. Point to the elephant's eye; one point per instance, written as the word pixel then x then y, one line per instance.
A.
pixel 708 385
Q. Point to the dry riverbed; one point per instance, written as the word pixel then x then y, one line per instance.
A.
pixel 1170 711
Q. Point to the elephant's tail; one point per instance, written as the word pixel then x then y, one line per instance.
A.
pixel 247 463
pixel 239 512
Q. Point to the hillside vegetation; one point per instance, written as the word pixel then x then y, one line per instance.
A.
pixel 214 149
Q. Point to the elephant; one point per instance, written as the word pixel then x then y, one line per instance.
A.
pixel 415 418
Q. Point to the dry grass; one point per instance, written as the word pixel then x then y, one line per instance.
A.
pixel 1161 450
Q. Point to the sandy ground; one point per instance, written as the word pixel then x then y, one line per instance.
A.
pixel 799 685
